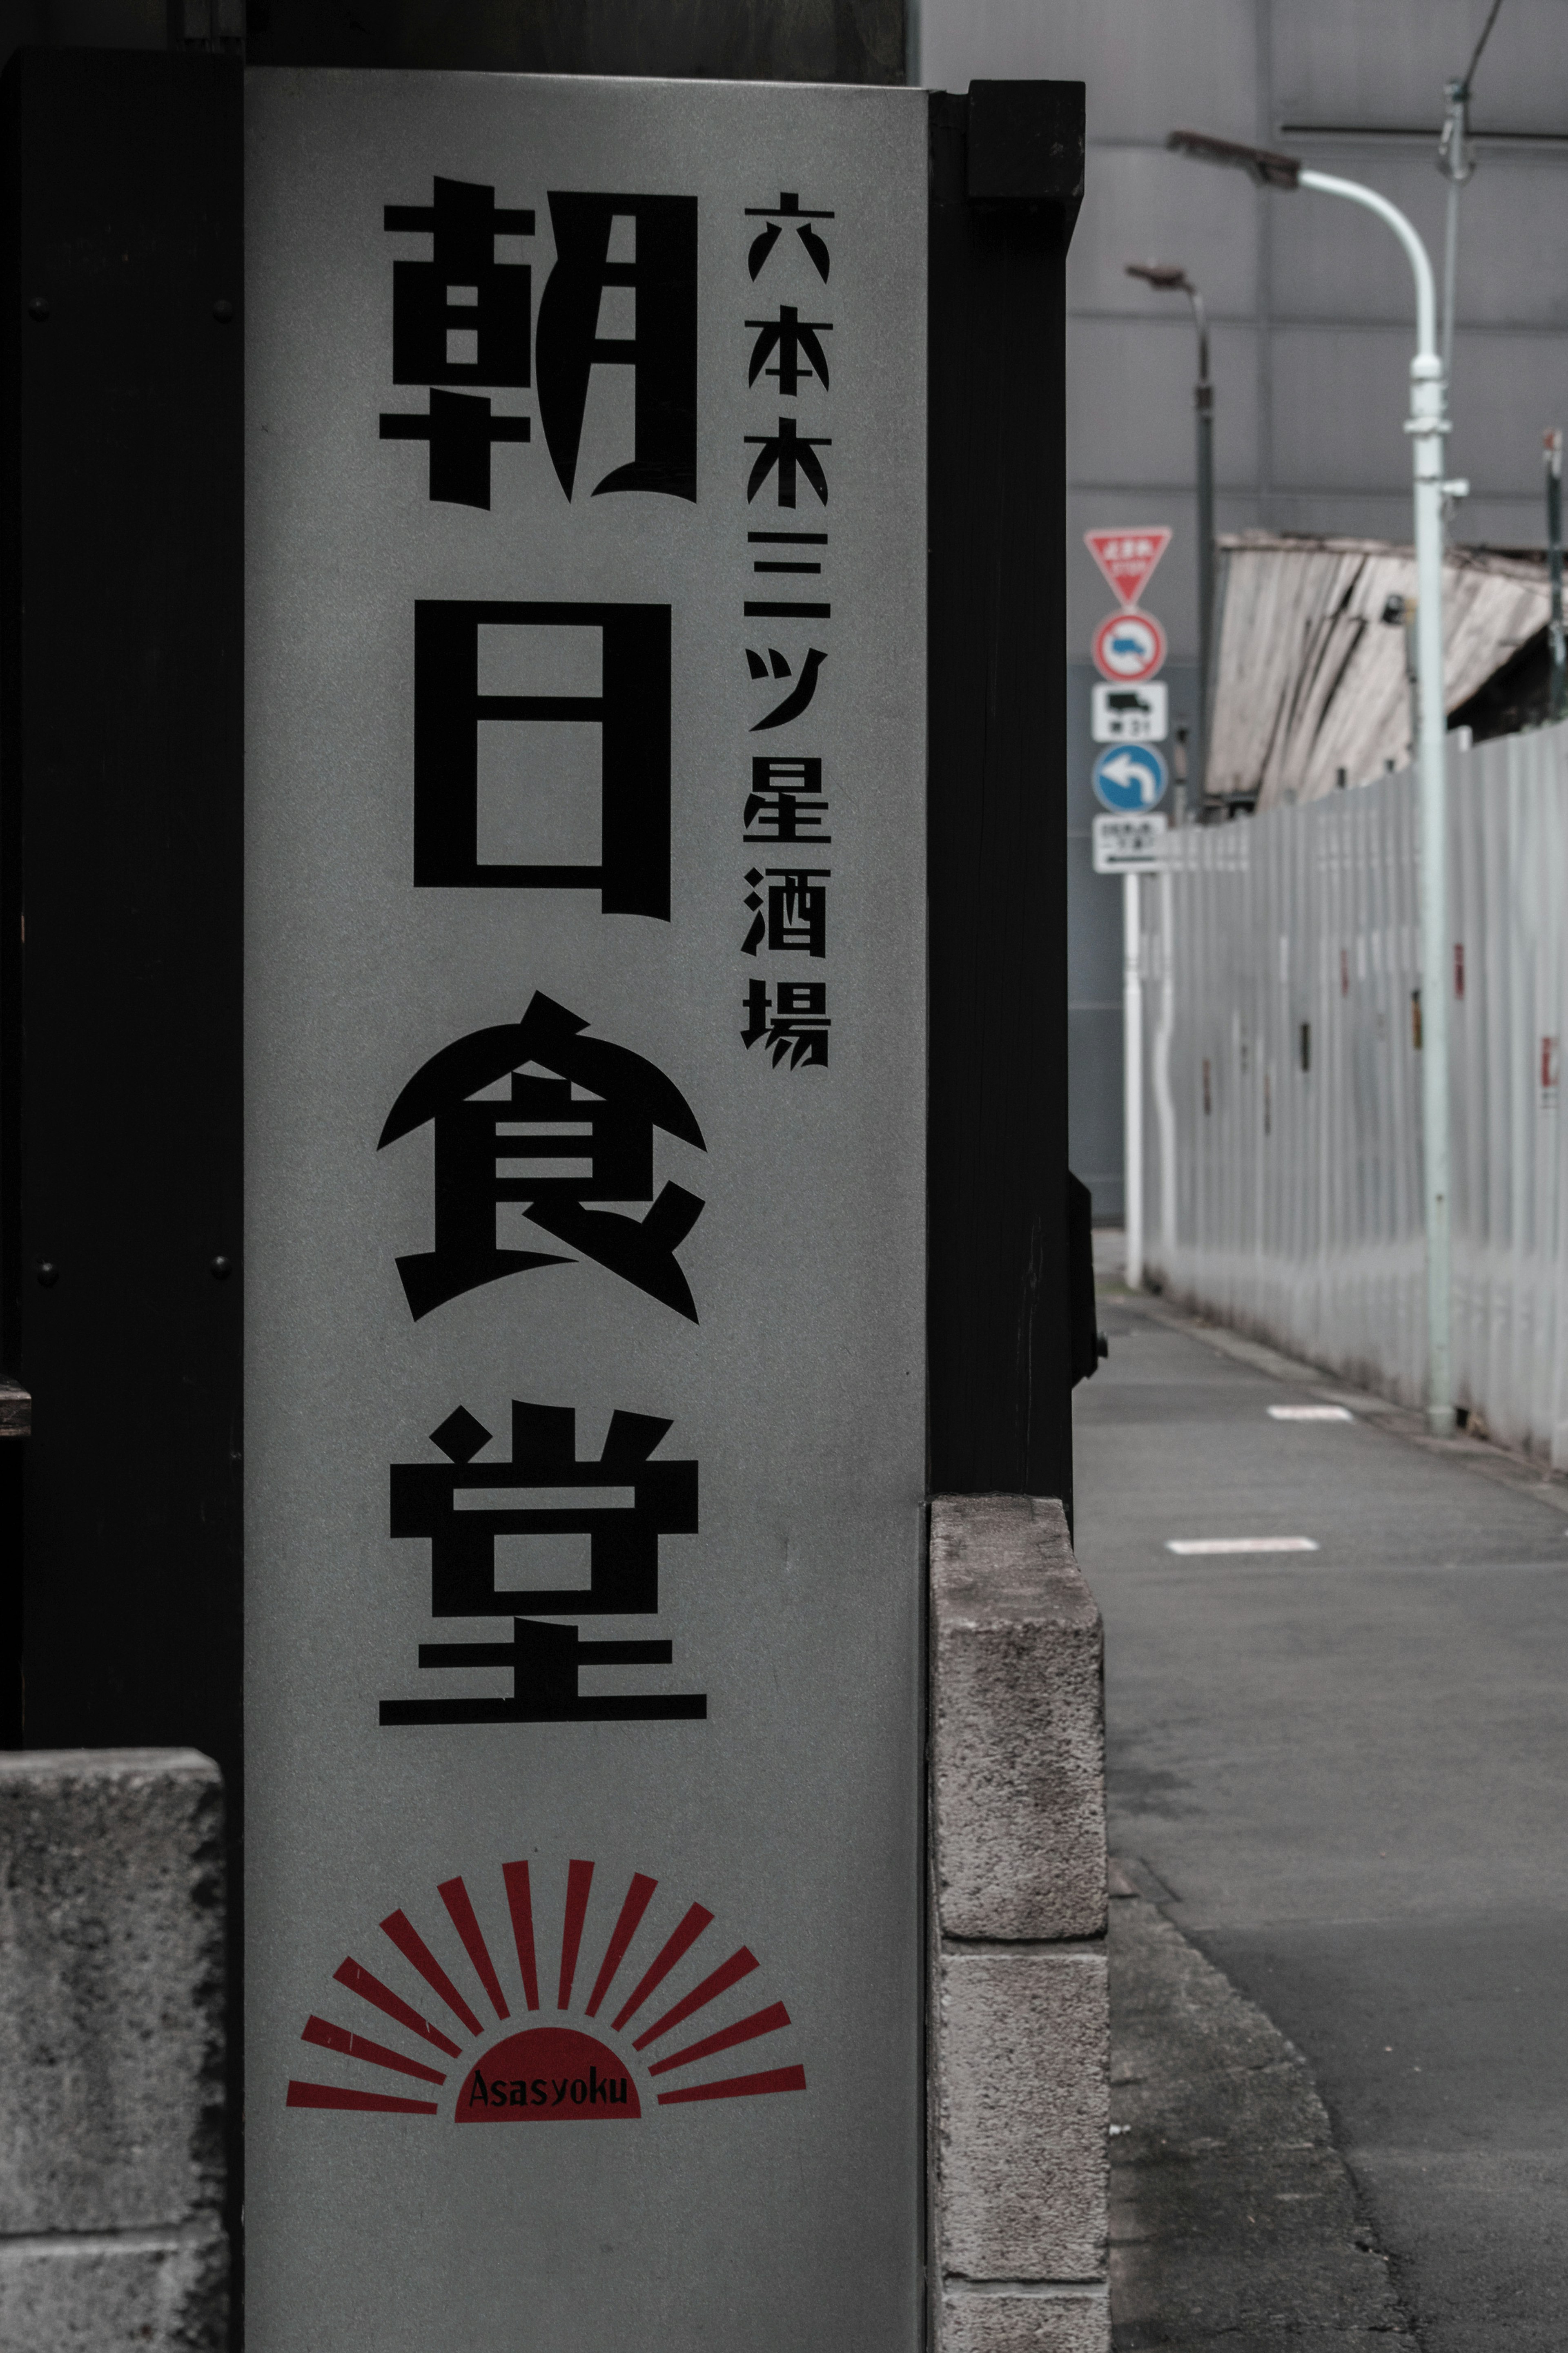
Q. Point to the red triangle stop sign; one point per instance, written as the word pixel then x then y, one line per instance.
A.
pixel 1128 557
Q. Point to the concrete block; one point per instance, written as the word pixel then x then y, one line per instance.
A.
pixel 111 1993
pixel 143 2291
pixel 1017 1723
pixel 1017 2319
pixel 1024 2114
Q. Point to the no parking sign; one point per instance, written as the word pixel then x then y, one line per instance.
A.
pixel 1129 647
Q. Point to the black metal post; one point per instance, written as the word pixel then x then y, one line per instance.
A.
pixel 121 781
pixel 1006 180
pixel 1202 403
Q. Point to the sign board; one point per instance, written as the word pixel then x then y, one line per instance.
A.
pixel 1130 714
pixel 1128 648
pixel 1128 557
pixel 1129 776
pixel 585 1022
pixel 1128 845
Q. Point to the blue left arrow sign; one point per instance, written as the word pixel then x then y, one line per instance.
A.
pixel 1129 778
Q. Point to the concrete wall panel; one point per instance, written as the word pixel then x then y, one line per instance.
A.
pixel 996 2320
pixel 1378 515
pixel 112 2177
pixel 158 2292
pixel 1186 61
pixel 1017 1723
pixel 1130 402
pixel 1141 203
pixel 1025 2114
pixel 1340 397
pixel 110 1926
pixel 1333 260
pixel 1507 387
pixel 1340 61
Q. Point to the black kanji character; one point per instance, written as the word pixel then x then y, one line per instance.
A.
pixel 461 317
pixel 460 430
pixel 798 1025
pixel 602 1106
pixel 794 339
pixel 545 1662
pixel 792 453
pixel 462 1507
pixel 631 711
pixel 797 916
pixel 662 350
pixel 787 213
pixel 463 296
pixel 782 801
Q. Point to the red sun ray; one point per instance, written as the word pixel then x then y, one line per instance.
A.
pixel 322 2031
pixel 579 1879
pixel 412 1945
pixel 632 1910
pixel 454 1897
pixel 738 1965
pixel 521 1904
pixel 761 2021
pixel 328 2095
pixel 359 1980
pixel 659 1967
pixel 739 2087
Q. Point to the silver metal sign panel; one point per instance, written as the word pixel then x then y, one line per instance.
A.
pixel 1129 845
pixel 586 1171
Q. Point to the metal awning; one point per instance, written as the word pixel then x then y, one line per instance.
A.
pixel 1311 680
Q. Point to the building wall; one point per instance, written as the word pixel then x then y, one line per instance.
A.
pixel 1312 315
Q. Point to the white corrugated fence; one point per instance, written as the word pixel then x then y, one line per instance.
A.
pixel 1281 959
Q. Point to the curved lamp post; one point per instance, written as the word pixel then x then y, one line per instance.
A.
pixel 1169 277
pixel 1426 425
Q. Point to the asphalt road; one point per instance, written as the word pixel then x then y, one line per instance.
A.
pixel 1350 1767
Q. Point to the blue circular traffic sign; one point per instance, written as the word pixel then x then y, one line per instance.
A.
pixel 1129 778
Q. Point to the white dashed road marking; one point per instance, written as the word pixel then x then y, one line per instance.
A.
pixel 1240 1543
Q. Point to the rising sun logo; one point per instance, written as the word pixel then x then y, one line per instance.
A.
pixel 543 2074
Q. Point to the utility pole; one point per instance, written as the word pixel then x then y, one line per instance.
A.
pixel 1170 278
pixel 1426 425
pixel 1557 702
pixel 1457 162
pixel 1132 1075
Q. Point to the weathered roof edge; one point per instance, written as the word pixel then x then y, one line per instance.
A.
pixel 1510 563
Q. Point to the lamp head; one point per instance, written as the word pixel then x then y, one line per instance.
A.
pixel 1168 275
pixel 1263 164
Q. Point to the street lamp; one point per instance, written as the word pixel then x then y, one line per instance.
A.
pixel 1426 425
pixel 1168 277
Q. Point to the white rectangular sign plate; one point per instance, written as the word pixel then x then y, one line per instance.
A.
pixel 586 1181
pixel 1128 845
pixel 1130 714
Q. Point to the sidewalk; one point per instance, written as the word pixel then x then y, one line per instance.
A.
pixel 1346 1769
